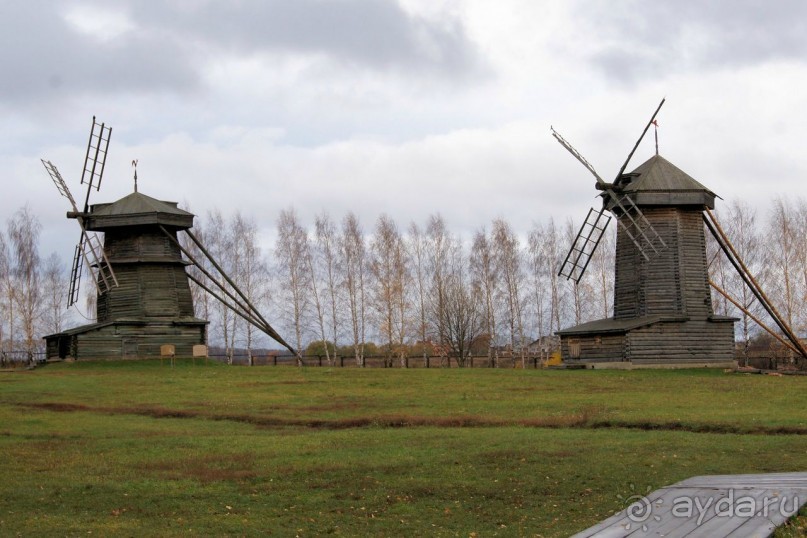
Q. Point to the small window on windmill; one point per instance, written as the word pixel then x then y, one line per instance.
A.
pixel 598 341
pixel 574 349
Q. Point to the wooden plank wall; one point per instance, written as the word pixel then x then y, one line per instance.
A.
pixel 694 273
pixel 138 341
pixel 689 341
pixel 152 282
pixel 675 281
pixel 696 341
pixel 596 348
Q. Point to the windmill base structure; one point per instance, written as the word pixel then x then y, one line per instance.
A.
pixel 663 314
pixel 150 305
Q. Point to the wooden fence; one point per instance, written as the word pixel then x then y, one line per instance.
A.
pixel 531 362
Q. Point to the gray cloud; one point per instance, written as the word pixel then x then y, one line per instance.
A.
pixel 375 33
pixel 647 39
pixel 43 57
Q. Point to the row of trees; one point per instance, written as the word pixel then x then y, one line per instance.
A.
pixel 339 284
pixel 32 291
pixel 343 285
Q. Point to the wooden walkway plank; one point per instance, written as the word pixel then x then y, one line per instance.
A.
pixel 747 505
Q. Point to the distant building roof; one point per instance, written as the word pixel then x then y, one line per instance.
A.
pixel 137 209
pixel 611 325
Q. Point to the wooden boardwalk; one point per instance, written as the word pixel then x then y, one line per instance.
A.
pixel 716 506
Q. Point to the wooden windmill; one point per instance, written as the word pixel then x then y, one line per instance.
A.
pixel 662 301
pixel 143 292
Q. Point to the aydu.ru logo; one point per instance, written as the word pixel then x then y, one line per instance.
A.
pixel 640 510
pixel 744 506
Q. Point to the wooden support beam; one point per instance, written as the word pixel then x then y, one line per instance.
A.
pixel 759 322
pixel 249 308
pixel 734 258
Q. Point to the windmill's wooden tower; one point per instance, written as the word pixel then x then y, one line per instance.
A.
pixel 151 304
pixel 662 302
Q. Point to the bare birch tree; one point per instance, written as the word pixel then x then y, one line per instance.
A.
pixel 220 245
pixel 328 272
pixel 545 255
pixel 485 276
pixel 252 274
pixel 782 258
pixel 800 216
pixel 293 258
pixel 537 280
pixel 551 260
pixel 23 231
pixel 417 251
pixel 54 284
pixel 390 274
pixel 507 251
pixel 741 227
pixel 439 249
pixel 6 300
pixel 319 307
pixel 354 262
pixel 461 316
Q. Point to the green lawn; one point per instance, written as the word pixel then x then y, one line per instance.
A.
pixel 141 448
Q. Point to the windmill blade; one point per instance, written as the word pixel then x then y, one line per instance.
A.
pixel 636 226
pixel 75 274
pixel 95 159
pixel 635 146
pixel 576 154
pixel 97 259
pixel 61 186
pixel 584 245
pixel 90 250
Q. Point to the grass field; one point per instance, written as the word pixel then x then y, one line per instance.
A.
pixel 140 448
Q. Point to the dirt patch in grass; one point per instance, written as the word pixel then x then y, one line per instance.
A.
pixel 59 407
pixel 207 469
pixel 279 382
pixel 333 406
pixel 346 405
pixel 585 417
pixel 701 428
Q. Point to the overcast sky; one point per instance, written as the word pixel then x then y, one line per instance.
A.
pixel 408 108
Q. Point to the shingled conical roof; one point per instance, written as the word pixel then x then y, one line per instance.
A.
pixel 659 182
pixel 659 174
pixel 137 209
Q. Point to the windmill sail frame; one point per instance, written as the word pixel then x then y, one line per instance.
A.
pixel 89 249
pixel 638 228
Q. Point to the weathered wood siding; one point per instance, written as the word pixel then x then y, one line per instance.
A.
pixel 680 342
pixel 152 282
pixel 694 272
pixel 674 282
pixel 132 341
pixel 594 348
